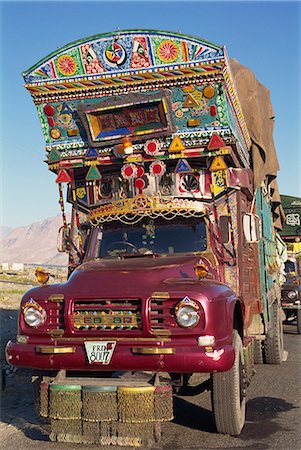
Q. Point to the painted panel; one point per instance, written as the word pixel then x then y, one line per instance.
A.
pixel 122 51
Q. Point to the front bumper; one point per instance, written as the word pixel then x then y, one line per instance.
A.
pixel 127 356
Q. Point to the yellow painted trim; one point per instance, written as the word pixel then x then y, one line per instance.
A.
pixel 57 332
pixel 56 298
pixel 153 350
pixel 51 350
pixel 136 390
pixel 160 295
pixel 161 332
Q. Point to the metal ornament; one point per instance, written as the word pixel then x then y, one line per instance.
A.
pixel 152 147
pixel 157 168
pixel 129 171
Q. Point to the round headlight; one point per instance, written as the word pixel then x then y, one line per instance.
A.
pixel 33 317
pixel 292 294
pixel 187 316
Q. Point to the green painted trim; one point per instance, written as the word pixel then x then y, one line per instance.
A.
pixel 99 388
pixel 113 33
pixel 65 387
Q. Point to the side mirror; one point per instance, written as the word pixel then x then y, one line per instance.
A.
pixel 62 239
pixel 252 228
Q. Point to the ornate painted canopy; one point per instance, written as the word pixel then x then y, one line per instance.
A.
pixel 125 52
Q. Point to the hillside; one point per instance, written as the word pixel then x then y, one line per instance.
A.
pixel 33 244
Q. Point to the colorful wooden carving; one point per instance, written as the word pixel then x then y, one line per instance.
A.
pixel 172 95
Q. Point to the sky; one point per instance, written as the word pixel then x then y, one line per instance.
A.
pixel 264 36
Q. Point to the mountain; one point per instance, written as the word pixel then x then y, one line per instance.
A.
pixel 4 231
pixel 33 244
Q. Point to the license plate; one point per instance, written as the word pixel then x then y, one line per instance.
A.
pixel 100 352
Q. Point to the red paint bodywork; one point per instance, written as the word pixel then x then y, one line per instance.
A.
pixel 133 278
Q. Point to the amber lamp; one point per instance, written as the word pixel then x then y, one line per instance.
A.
pixel 200 271
pixel 42 275
pixel 128 146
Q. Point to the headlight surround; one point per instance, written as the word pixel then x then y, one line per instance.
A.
pixel 187 317
pixel 34 317
pixel 187 313
pixel 292 295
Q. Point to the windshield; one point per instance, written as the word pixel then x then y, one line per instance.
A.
pixel 148 237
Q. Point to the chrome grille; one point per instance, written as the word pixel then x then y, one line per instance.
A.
pixel 55 315
pixel 162 318
pixel 107 314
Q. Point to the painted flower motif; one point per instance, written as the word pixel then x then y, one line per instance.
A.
pixel 168 51
pixel 179 113
pixel 66 65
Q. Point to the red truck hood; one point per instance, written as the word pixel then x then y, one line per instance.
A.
pixel 130 276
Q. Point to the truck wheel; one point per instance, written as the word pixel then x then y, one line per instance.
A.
pixel 299 321
pixel 258 356
pixel 228 394
pixel 273 344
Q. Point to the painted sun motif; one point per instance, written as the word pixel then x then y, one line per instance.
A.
pixel 168 51
pixel 66 65
pixel 115 54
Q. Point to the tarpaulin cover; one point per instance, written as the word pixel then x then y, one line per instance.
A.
pixel 259 116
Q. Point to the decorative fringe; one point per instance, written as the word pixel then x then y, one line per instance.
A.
pixel 136 404
pixel 99 404
pixel 65 402
pixel 163 403
pixel 66 430
pixel 106 415
pixel 91 432
pixel 44 399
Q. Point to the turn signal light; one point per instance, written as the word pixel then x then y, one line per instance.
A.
pixel 42 275
pixel 201 271
pixel 127 146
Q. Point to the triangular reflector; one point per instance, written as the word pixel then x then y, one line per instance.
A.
pixel 218 164
pixel 183 166
pixel 54 156
pixel 91 153
pixel 176 145
pixel 63 177
pixel 93 174
pixel 215 142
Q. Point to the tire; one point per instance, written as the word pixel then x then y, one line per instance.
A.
pixel 299 321
pixel 227 394
pixel 273 344
pixel 258 353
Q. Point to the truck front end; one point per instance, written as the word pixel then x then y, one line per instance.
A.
pixel 146 297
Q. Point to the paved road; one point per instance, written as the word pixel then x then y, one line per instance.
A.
pixel 273 414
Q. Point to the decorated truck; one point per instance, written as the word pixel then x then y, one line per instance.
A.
pixel 164 149
pixel 291 235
